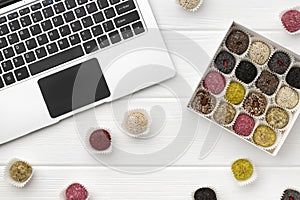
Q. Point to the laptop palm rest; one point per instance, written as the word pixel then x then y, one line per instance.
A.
pixel 73 88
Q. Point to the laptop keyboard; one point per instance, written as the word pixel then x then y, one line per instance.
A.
pixel 45 34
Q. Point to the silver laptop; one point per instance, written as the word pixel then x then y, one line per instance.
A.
pixel 60 57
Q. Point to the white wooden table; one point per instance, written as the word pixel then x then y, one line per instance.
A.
pixel 59 158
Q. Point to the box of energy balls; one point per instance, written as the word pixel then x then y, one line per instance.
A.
pixel 251 88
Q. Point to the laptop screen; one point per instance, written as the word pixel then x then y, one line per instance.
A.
pixel 4 3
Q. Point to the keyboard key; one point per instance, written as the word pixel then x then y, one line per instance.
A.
pixel 58 20
pixel 13 38
pixel 35 29
pixel 3 30
pixel 108 26
pixel 12 15
pixel 69 16
pixel 52 48
pixel 109 13
pixel 24 11
pixel 86 35
pixel 46 25
pixel 53 35
pixel 76 26
pixel 48 12
pixel 125 7
pixel 2 20
pixel 102 4
pixel 47 2
pixel 7 65
pixel 74 39
pixel 126 32
pixel 80 2
pixel 41 52
pixel 63 44
pixel 9 52
pixel 25 21
pixel 1 59
pixel 97 30
pixel 98 17
pixel 115 37
pixel 21 73
pixel 3 42
pixel 126 19
pixel 55 60
pixel 103 41
pixel 36 6
pixel 9 78
pixel 138 28
pixel 80 12
pixel 70 4
pixel 31 43
pixel 64 30
pixel 37 16
pixel 91 7
pixel 59 8
pixel 1 83
pixel 87 22
pixel 18 61
pixel 29 57
pixel 24 34
pixel 14 25
pixel 114 1
pixel 90 46
pixel 20 48
pixel 42 39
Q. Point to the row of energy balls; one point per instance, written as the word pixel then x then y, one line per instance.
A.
pixel 255 103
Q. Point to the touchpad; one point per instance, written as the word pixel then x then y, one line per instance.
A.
pixel 74 88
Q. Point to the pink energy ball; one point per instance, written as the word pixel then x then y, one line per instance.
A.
pixel 214 82
pixel 244 125
pixel 291 20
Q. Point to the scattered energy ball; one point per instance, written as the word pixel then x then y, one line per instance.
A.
pixel 137 122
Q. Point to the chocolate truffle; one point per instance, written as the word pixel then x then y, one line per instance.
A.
pixel 189 4
pixel 136 122
pixel 246 72
pixel 20 171
pixel 237 42
pixel 205 194
pixel 225 113
pixel 255 104
pixel 203 102
pixel 290 194
pixel 277 117
pixel 225 62
pixel 100 140
pixel 214 82
pixel 279 62
pixel 244 125
pixel 267 83
pixel 291 20
pixel 293 77
pixel 76 191
pixel 264 136
pixel 259 52
pixel 286 97
pixel 235 93
pixel 242 169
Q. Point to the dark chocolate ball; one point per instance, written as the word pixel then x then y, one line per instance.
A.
pixel 279 62
pixel 225 62
pixel 267 83
pixel 205 194
pixel 293 77
pixel 237 42
pixel 246 72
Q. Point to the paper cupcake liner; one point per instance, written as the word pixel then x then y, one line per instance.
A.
pixel 277 141
pixel 256 39
pixel 293 110
pixel 290 116
pixel 90 148
pixel 288 188
pixel 62 194
pixel 191 10
pixel 249 181
pixel 281 15
pixel 8 178
pixel 206 186
pixel 147 131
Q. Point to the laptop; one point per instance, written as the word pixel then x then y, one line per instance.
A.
pixel 101 50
